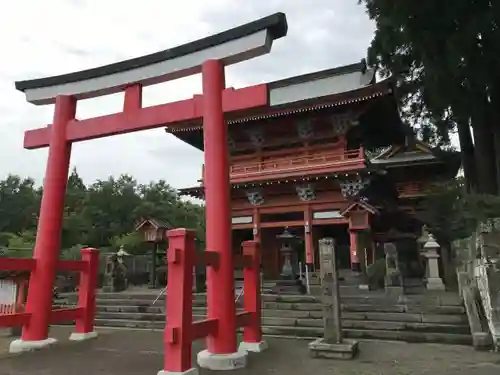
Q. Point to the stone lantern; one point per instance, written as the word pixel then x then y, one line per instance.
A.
pixel 288 282
pixel 289 268
pixel 434 281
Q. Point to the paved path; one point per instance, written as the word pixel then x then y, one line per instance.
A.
pixel 120 352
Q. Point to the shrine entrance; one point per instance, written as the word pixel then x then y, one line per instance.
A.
pixel 207 56
pixel 340 233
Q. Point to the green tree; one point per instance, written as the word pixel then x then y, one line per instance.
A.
pixel 444 57
pixel 102 215
pixel 109 209
pixel 133 243
pixel 19 204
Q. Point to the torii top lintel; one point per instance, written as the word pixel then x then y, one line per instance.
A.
pixel 232 46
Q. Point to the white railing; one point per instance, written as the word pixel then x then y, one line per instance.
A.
pixel 8 291
pixel 305 275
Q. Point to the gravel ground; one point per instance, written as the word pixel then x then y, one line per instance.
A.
pixel 127 352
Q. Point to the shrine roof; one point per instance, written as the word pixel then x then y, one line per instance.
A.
pixel 310 93
pixel 193 191
pixel 320 84
pixel 360 204
pixel 158 224
pixel 413 151
pixel 198 191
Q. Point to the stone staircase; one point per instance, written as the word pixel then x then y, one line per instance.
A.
pixel 432 318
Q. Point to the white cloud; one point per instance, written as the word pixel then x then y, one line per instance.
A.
pixel 44 38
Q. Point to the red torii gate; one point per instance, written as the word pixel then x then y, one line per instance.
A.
pixel 208 56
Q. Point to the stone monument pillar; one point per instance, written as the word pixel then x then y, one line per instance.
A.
pixel 115 272
pixel 434 281
pixel 332 345
pixel 393 278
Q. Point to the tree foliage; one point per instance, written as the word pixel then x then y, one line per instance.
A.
pixel 445 58
pixel 102 215
pixel 453 213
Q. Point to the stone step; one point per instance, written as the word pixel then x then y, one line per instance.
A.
pixel 367 315
pixel 308 306
pixel 358 307
pixel 416 337
pixel 138 302
pixel 313 332
pixel 311 322
pixel 444 299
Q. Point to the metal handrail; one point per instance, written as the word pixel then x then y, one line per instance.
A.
pixel 162 292
pixel 241 293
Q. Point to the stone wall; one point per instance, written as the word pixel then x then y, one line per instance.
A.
pixel 479 268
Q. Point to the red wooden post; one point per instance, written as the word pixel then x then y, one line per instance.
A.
pixel 353 245
pixel 48 238
pixel 252 333
pixel 177 334
pixel 220 282
pixel 87 295
pixel 22 283
pixel 133 98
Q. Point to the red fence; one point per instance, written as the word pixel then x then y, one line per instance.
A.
pixel 83 314
pixel 180 330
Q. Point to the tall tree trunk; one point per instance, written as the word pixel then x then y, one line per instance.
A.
pixel 485 156
pixel 467 153
pixel 495 124
pixel 496 137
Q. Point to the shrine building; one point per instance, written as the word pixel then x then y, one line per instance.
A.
pixel 334 161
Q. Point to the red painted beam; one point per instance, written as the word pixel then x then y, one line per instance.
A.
pixel 65 315
pixel 241 260
pixel 208 258
pixel 150 117
pixel 17 264
pixel 203 328
pixel 71 265
pixel 14 320
pixel 243 319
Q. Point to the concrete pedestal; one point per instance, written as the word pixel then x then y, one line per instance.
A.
pixel 482 340
pixel 434 283
pixel 83 336
pixel 254 347
pixel 191 371
pixel 222 362
pixel 19 346
pixel 345 350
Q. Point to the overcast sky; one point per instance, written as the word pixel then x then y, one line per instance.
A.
pixel 49 37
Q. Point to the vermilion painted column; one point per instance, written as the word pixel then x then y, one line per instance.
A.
pixel 48 237
pixel 220 283
pixel 178 309
pixel 87 292
pixel 353 244
pixel 309 243
pixel 256 225
pixel 252 334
